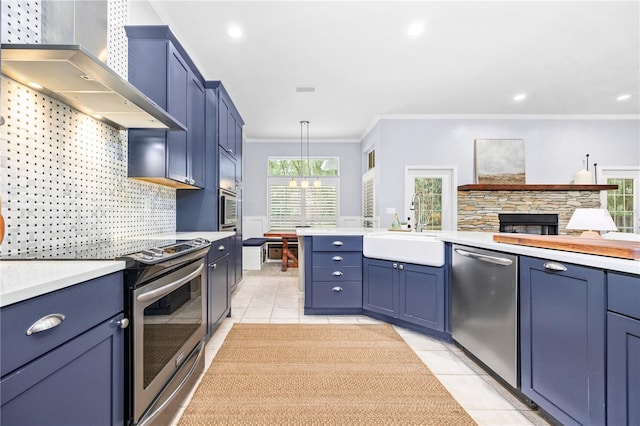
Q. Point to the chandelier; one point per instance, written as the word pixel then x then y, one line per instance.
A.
pixel 304 179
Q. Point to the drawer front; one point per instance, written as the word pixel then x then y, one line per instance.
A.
pixel 337 260
pixel 219 249
pixel 624 294
pixel 337 273
pixel 337 295
pixel 83 305
pixel 337 243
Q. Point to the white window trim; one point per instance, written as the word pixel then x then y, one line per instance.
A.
pixel 452 173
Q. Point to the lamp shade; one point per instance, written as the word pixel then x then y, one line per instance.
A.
pixel 592 220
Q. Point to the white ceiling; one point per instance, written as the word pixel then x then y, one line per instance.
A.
pixel 568 57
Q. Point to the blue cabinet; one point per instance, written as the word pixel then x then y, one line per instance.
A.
pixel 562 333
pixel 72 373
pixel 218 284
pixel 414 294
pixel 333 274
pixel 159 67
pixel 623 349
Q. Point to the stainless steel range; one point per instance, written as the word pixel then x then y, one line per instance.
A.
pixel 165 299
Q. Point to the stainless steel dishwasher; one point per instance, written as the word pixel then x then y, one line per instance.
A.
pixel 484 308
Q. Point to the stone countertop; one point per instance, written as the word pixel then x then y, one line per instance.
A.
pixel 485 240
pixel 24 279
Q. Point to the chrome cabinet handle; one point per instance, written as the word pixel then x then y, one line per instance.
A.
pixel 337 274
pixel 401 267
pixel 45 323
pixel 554 266
pixel 221 247
pixel 123 323
pixel 337 258
pixel 338 243
pixel 395 266
pixel 337 289
pixel 213 265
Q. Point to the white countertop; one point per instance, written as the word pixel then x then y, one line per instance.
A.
pixel 485 240
pixel 24 279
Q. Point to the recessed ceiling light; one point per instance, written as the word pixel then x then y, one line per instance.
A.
pixel 34 85
pixel 234 31
pixel 623 97
pixel 415 29
pixel 520 97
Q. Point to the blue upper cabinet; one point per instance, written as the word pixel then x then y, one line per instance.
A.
pixel 562 326
pixel 160 68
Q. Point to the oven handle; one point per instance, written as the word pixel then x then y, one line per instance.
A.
pixel 166 289
pixel 150 416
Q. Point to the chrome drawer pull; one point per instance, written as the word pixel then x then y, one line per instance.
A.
pixel 401 267
pixel 337 289
pixel 395 266
pixel 45 323
pixel 123 323
pixel 337 274
pixel 220 248
pixel 553 266
pixel 338 243
pixel 337 258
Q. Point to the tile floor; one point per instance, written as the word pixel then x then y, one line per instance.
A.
pixel 271 296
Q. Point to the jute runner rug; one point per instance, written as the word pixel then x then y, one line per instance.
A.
pixel 298 374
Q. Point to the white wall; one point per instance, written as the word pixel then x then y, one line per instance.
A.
pixel 554 148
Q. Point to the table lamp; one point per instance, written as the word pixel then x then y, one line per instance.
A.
pixel 591 221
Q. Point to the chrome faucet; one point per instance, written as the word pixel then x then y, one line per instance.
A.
pixel 419 226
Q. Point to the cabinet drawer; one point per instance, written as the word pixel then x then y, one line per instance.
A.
pixel 624 294
pixel 83 305
pixel 337 243
pixel 336 260
pixel 337 295
pixel 337 273
pixel 219 249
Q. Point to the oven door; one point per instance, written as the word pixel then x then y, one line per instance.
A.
pixel 169 320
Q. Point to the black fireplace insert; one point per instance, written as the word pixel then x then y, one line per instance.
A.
pixel 529 223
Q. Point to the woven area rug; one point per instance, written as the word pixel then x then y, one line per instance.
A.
pixel 298 374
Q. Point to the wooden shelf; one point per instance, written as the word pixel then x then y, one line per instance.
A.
pixel 534 187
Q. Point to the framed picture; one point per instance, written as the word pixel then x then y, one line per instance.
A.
pixel 500 161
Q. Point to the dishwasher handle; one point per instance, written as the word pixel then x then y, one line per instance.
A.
pixel 485 258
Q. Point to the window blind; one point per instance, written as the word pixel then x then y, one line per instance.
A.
pixel 290 207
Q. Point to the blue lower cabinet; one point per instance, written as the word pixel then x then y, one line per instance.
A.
pixel 562 330
pixel 623 370
pixel 408 292
pixel 79 383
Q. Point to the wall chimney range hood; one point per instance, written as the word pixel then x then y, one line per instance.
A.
pixel 75 77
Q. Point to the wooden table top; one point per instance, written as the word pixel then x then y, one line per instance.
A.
pixel 281 234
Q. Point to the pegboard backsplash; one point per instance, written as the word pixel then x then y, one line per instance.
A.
pixel 63 175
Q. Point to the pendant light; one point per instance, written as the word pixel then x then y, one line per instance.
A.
pixel 316 183
pixel 304 183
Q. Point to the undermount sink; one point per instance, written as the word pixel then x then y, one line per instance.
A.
pixel 410 247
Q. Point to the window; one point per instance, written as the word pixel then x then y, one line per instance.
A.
pixel 623 203
pixel 311 206
pixel 436 189
pixel 368 206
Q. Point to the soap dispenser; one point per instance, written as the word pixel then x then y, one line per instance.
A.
pixel 395 224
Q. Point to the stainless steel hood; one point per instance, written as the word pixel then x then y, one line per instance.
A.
pixel 75 77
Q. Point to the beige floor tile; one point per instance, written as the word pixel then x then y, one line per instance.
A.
pixel 499 418
pixel 473 393
pixel 254 320
pixel 419 342
pixel 280 313
pixel 443 362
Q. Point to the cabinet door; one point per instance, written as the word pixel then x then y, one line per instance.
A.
pixel 421 298
pixel 223 122
pixel 218 295
pixel 195 134
pixel 623 370
pixel 238 149
pixel 79 383
pixel 380 291
pixel 177 104
pixel 562 325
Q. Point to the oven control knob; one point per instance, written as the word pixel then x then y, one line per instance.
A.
pixel 147 255
pixel 157 252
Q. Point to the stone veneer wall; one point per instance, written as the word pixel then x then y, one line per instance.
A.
pixel 478 210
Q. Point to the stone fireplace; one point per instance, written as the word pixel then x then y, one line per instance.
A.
pixel 479 205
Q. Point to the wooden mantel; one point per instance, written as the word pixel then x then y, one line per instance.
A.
pixel 534 187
